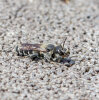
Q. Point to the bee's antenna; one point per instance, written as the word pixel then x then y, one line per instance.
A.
pixel 64 42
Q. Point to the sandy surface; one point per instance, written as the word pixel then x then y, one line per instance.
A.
pixel 49 21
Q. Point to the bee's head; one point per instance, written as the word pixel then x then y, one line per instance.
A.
pixel 62 51
pixel 66 52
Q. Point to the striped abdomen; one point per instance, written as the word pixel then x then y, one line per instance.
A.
pixel 29 49
pixel 22 52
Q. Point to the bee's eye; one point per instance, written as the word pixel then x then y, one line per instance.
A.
pixel 60 52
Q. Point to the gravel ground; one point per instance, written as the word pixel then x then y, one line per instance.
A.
pixel 49 21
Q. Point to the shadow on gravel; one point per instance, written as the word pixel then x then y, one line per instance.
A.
pixel 68 62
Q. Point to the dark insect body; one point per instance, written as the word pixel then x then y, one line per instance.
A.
pixel 48 52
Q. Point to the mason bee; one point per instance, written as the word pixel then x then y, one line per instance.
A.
pixel 48 52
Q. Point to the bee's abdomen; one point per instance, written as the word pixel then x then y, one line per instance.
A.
pixel 22 52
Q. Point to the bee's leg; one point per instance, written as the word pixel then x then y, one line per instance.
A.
pixel 47 57
pixel 57 58
pixel 35 56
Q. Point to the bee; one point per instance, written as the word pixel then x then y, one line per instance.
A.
pixel 48 52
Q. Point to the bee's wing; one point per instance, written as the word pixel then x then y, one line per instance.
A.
pixel 34 47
